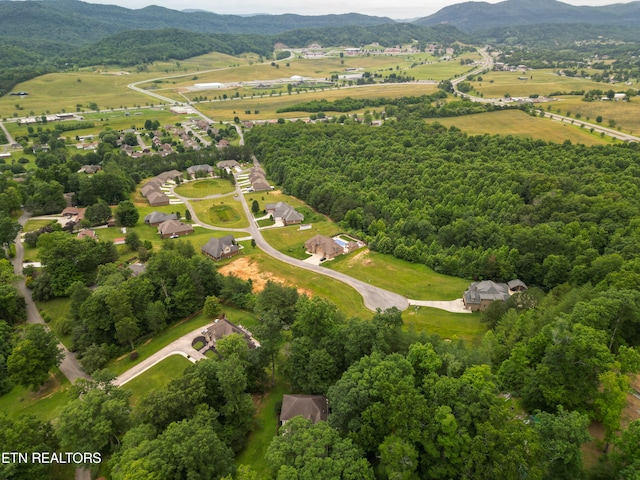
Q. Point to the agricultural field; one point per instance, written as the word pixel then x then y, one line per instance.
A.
pixel 518 123
pixel 626 115
pixel 541 82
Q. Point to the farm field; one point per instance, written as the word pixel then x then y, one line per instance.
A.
pixel 204 188
pixel 626 115
pixel 541 82
pixel 267 106
pixel 518 123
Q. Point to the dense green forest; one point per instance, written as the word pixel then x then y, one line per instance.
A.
pixel 477 207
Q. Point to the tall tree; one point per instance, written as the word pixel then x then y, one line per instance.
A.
pixel 127 214
pixel 34 354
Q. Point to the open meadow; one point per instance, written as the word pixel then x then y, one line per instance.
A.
pixel 521 124
pixel 626 115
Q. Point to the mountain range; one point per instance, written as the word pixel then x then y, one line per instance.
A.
pixel 474 16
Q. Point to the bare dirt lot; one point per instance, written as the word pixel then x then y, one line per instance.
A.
pixel 245 268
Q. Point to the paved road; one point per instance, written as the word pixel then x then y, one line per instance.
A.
pixel 181 346
pixel 70 366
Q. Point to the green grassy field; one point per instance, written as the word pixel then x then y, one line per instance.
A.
pixel 290 240
pixel 412 280
pixel 541 82
pixel 518 123
pixel 265 428
pixel 465 326
pixel 32 225
pixel 204 188
pixel 221 212
pixel 45 404
pixel 57 309
pixel 156 377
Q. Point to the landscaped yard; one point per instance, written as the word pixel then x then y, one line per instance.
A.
pixel 57 309
pixel 412 280
pixel 32 224
pixel 204 188
pixel 156 377
pixel 123 363
pixel 220 212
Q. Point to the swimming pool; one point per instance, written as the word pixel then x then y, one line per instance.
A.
pixel 340 242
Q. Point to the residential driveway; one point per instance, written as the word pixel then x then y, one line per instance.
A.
pixel 454 306
pixel 181 346
pixel 313 259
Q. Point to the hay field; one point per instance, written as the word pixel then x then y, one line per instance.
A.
pixel 518 123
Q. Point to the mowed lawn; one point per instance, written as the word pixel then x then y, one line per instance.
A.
pixel 156 377
pixel 221 212
pixel 465 326
pixel 45 404
pixel 204 188
pixel 291 239
pixel 412 280
pixel 519 123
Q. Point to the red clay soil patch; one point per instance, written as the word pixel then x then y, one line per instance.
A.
pixel 245 268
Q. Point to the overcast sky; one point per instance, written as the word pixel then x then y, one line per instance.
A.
pixel 406 9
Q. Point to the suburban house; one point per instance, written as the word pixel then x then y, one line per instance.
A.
pixel 199 170
pixel 479 295
pixel 323 245
pixel 170 175
pixel 90 169
pixel 156 218
pixel 223 327
pixel 311 407
pixel 157 198
pixel 227 164
pixel 219 248
pixel 283 213
pixel 87 233
pixel 137 269
pixel 258 180
pixel 73 214
pixel 174 228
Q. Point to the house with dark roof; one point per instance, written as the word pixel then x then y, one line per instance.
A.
pixel 156 218
pixel 311 407
pixel 480 295
pixel 283 213
pixel 170 175
pixel 199 170
pixel 90 169
pixel 157 198
pixel 223 327
pixel 174 228
pixel 323 245
pixel 227 164
pixel 219 248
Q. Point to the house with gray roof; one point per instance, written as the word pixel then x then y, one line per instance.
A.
pixel 157 198
pixel 199 170
pixel 311 407
pixel 223 327
pixel 156 218
pixel 170 175
pixel 479 295
pixel 219 248
pixel 283 213
pixel 174 228
pixel 323 245
pixel 227 164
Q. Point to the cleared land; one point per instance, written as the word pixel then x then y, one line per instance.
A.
pixel 412 280
pixel 204 188
pixel 448 325
pixel 518 123
pixel 626 115
pixel 156 377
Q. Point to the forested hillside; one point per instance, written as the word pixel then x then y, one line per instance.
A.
pixel 477 207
